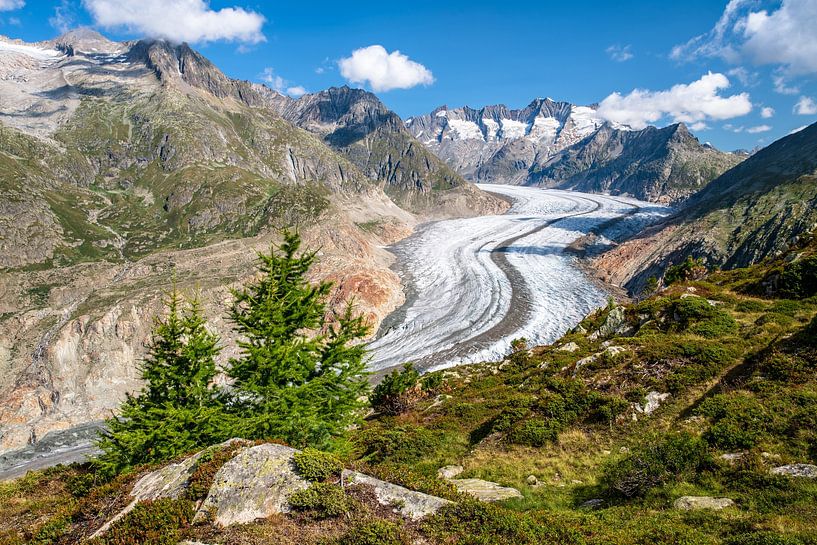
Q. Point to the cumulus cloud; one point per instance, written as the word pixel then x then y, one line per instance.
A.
pixel 619 53
pixel 8 5
pixel 281 85
pixel 759 128
pixel 784 37
pixel 767 112
pixel 383 71
pixel 178 20
pixel 689 103
pixel 805 106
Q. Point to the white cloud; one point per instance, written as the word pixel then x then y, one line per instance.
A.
pixel 798 129
pixel 805 106
pixel 699 126
pixel 784 37
pixel 689 103
pixel 781 86
pixel 619 53
pixel 759 128
pixel 63 19
pixel 743 75
pixel 767 112
pixel 178 20
pixel 384 71
pixel 8 5
pixel 281 85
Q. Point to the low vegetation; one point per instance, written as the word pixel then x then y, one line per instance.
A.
pixel 698 390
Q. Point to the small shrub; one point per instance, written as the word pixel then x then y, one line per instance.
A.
pixel 750 305
pixel 315 465
pixel 322 501
pixel 534 433
pixel 157 522
pixel 689 269
pixel 400 444
pixel 655 463
pixel 397 392
pixel 738 421
pixel 376 532
pixel 799 279
pixel 79 485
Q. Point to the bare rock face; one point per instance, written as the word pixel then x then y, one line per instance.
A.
pixel 486 491
pixel 410 504
pixel 808 471
pixel 689 503
pixel 254 484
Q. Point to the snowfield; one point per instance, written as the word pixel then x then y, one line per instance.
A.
pixel 473 285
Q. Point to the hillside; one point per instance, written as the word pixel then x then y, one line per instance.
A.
pixel 123 163
pixel 752 212
pixel 357 125
pixel 684 418
pixel 659 165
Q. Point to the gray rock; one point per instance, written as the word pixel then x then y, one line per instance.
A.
pixel 569 347
pixel 486 491
pixel 254 484
pixel 449 472
pixel 532 480
pixel 410 504
pixel 595 503
pixel 808 471
pixel 654 400
pixel 689 503
pixel 614 324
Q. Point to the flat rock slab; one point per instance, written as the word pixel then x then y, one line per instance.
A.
pixel 485 490
pixel 410 504
pixel 808 471
pixel 254 484
pixel 690 503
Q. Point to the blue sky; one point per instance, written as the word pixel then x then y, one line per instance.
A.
pixel 476 53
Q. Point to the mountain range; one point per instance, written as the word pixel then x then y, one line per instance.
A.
pixel 561 145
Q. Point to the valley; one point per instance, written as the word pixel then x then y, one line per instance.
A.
pixel 474 285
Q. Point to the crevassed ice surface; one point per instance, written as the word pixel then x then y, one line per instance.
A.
pixel 462 307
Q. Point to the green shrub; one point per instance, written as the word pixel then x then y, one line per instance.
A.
pixel 689 269
pixel 399 444
pixel 321 500
pixel 315 465
pixel 738 421
pixel 51 531
pixel 79 485
pixel 799 279
pixel 397 392
pixel 750 306
pixel 376 532
pixel 534 433
pixel 698 316
pixel 655 462
pixel 157 522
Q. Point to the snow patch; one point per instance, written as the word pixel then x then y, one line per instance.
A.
pixel 512 128
pixel 545 129
pixel 39 53
pixel 465 130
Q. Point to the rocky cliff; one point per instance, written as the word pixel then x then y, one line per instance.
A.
pixel 754 211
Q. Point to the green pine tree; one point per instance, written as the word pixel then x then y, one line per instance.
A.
pixel 177 410
pixel 297 379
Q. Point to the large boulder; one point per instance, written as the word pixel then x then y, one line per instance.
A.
pixel 410 504
pixel 254 484
pixel 485 490
pixel 808 471
pixel 690 503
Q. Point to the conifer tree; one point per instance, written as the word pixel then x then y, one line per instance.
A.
pixel 177 410
pixel 297 379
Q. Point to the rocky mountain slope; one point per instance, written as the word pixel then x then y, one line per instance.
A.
pixel 123 162
pixel 752 212
pixel 558 144
pixel 498 144
pixel 356 124
pixel 660 165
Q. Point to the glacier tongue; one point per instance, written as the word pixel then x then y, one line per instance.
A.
pixel 476 284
